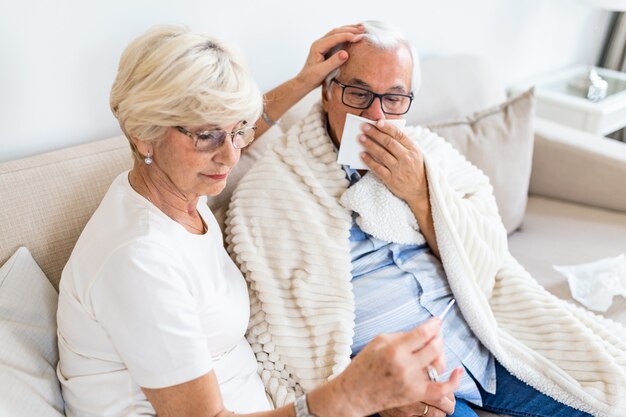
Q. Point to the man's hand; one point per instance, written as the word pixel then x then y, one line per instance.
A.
pixel 443 407
pixel 395 159
pixel 399 164
pixel 317 65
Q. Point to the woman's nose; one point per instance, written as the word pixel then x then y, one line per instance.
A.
pixel 227 154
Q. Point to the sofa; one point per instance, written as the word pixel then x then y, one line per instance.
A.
pixel 572 209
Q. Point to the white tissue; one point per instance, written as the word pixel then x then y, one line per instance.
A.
pixel 350 148
pixel 594 284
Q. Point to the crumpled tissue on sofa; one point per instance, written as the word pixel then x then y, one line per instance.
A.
pixel 594 284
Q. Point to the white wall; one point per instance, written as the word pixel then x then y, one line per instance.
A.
pixel 59 57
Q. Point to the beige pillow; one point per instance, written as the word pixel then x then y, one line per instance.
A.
pixel 499 141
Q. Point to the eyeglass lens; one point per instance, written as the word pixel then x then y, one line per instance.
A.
pixel 213 139
pixel 362 99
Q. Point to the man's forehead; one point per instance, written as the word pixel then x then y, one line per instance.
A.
pixel 399 86
pixel 368 65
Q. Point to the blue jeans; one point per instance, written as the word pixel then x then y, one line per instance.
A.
pixel 515 398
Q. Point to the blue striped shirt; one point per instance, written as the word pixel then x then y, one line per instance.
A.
pixel 397 287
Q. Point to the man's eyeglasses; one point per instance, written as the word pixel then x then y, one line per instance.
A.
pixel 360 98
pixel 210 140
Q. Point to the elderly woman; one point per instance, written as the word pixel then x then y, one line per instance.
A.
pixel 152 311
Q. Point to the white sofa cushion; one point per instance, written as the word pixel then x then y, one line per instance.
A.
pixel 499 141
pixel 561 233
pixel 28 353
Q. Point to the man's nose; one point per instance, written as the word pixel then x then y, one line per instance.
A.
pixel 374 111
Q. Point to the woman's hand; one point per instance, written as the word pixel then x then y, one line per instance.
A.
pixel 318 65
pixel 391 372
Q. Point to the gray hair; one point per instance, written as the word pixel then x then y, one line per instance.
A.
pixel 384 37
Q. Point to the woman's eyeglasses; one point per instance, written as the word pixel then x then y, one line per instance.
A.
pixel 210 140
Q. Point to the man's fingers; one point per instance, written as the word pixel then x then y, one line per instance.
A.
pixel 455 376
pixel 375 166
pixel 379 153
pixel 434 412
pixel 445 404
pixel 394 132
pixel 387 139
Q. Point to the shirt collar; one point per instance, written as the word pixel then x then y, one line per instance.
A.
pixel 352 174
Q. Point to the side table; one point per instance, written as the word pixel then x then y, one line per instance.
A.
pixel 559 100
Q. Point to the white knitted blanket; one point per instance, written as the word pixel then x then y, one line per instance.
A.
pixel 289 234
pixel 380 213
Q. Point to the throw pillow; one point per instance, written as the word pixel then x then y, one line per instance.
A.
pixel 29 353
pixel 499 141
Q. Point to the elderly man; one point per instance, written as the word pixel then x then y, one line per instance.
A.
pixel 335 257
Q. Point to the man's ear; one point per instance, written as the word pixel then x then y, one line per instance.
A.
pixel 325 97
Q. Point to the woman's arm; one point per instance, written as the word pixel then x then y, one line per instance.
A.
pixel 316 68
pixel 389 372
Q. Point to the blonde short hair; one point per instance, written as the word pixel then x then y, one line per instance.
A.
pixel 170 76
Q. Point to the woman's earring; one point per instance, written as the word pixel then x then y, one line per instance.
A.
pixel 148 159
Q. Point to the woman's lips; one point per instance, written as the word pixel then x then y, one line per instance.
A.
pixel 217 177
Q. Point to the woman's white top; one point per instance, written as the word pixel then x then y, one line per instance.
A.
pixel 145 303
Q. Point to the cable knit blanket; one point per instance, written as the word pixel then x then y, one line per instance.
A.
pixel 289 233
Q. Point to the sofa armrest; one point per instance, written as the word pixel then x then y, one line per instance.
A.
pixel 572 165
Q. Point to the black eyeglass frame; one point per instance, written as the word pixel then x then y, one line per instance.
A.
pixel 236 131
pixel 374 96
